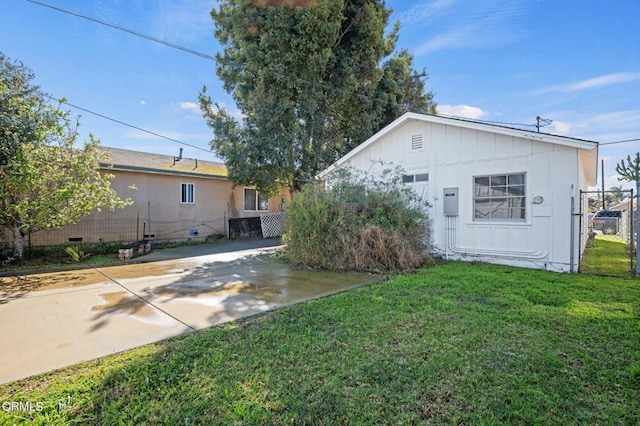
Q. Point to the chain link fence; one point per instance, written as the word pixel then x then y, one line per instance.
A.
pixel 92 231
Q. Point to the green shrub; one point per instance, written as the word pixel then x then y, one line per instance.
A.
pixel 75 253
pixel 363 222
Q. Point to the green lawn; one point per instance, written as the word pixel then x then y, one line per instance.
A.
pixel 458 343
pixel 606 255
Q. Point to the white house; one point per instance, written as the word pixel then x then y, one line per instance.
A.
pixel 497 194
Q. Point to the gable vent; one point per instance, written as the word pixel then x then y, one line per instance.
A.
pixel 416 142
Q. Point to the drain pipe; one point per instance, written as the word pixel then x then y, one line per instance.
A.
pixel 572 235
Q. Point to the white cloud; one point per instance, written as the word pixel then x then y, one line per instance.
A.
pixel 561 128
pixel 183 20
pixel 465 23
pixel 426 11
pixel 462 111
pixel 143 102
pixel 591 83
pixel 190 106
pixel 596 127
pixel 460 37
pixel 605 80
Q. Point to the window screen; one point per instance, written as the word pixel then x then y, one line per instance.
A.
pixel 499 197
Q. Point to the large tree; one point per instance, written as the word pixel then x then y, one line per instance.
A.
pixel 311 83
pixel 45 181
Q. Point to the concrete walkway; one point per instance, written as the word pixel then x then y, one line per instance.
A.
pixel 52 320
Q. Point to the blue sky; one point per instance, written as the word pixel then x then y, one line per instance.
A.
pixel 576 62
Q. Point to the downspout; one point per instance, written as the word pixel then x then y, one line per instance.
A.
pixel 572 232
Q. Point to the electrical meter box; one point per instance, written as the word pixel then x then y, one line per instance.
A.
pixel 450 201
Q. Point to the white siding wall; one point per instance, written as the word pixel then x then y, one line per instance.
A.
pixel 453 156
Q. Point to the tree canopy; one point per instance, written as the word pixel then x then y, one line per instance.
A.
pixel 311 83
pixel 45 181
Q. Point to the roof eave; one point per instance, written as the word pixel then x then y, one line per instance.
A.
pixel 136 169
pixel 543 137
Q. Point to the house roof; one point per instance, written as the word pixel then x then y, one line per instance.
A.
pixel 144 162
pixel 590 147
pixel 624 205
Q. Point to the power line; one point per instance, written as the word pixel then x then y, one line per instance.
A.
pixel 624 141
pixel 207 56
pixel 127 124
pixel 128 30
pixel 274 73
pixel 506 124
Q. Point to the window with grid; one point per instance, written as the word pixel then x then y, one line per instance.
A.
pixel 187 193
pixel 420 177
pixel 254 201
pixel 499 197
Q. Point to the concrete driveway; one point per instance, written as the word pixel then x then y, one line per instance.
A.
pixel 52 320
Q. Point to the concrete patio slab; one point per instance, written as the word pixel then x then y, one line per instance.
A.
pixel 48 321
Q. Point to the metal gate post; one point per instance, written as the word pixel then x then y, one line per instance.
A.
pixel 581 222
pixel 573 235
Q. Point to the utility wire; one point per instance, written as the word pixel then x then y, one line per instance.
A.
pixel 130 31
pixel 274 73
pixel 503 123
pixel 205 55
pixel 213 58
pixel 127 124
pixel 625 141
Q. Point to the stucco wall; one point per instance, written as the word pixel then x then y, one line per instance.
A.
pixel 215 200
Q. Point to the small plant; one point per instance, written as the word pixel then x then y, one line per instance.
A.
pixel 75 253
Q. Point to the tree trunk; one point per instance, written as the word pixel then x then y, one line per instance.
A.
pixel 18 243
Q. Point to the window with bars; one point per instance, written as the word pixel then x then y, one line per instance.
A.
pixel 499 197
pixel 187 193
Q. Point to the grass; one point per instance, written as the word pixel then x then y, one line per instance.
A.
pixel 606 255
pixel 55 257
pixel 458 343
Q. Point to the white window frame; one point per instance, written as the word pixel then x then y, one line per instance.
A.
pixel 186 196
pixel 504 194
pixel 256 201
pixel 417 177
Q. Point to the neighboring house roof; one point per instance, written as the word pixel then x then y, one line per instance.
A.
pixel 625 205
pixel 590 147
pixel 144 162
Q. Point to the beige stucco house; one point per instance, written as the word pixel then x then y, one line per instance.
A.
pixel 184 198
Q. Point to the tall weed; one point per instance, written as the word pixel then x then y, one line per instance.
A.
pixel 361 222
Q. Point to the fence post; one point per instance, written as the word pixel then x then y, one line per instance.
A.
pixel 226 222
pixel 149 222
pixel 637 273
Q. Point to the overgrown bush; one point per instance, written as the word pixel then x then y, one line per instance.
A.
pixel 362 222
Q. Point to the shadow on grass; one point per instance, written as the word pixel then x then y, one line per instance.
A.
pixel 455 344
pixel 608 256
